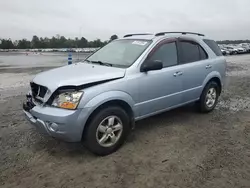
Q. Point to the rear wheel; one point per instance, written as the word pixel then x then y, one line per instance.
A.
pixel 107 130
pixel 209 97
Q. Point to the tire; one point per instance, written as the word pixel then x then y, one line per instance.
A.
pixel 203 105
pixel 95 132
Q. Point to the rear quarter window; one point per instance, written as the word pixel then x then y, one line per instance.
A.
pixel 214 46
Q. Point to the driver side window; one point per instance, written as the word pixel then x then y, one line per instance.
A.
pixel 167 54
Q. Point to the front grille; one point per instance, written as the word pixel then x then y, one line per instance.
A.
pixel 43 91
pixel 38 90
pixel 34 89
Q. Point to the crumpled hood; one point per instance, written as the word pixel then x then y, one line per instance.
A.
pixel 76 75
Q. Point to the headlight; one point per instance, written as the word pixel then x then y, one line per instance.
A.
pixel 68 100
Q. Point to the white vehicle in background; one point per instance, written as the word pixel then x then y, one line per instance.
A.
pixel 63 50
pixel 231 50
pixel 224 51
pixel 246 46
pixel 47 50
pixel 241 50
pixel 34 50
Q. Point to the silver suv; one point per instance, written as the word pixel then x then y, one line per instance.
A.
pixel 97 101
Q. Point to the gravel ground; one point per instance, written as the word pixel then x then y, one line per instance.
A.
pixel 180 148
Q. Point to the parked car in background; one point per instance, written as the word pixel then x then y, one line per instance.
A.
pixel 98 101
pixel 231 50
pixel 224 51
pixel 246 47
pixel 241 50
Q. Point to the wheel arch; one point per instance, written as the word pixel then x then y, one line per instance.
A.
pixel 218 81
pixel 213 76
pixel 100 102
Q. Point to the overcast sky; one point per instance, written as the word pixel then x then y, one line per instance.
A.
pixel 219 19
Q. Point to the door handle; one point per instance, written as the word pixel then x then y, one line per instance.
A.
pixel 179 73
pixel 208 66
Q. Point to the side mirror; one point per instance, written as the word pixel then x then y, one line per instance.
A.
pixel 151 65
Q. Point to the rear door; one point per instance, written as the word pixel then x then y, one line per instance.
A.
pixel 195 66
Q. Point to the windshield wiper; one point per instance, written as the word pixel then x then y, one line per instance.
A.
pixel 87 60
pixel 99 62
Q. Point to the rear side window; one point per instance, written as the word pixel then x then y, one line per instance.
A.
pixel 214 46
pixel 167 53
pixel 191 52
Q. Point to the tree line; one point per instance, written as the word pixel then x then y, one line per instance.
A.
pixel 54 42
pixel 62 42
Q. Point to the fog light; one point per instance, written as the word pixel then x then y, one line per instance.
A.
pixel 52 126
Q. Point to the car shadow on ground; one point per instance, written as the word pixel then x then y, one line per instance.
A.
pixel 62 149
pixel 162 119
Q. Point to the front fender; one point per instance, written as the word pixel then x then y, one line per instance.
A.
pixel 109 96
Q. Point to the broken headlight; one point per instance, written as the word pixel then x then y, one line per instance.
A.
pixel 68 100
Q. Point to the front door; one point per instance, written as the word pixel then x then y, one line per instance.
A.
pixel 160 89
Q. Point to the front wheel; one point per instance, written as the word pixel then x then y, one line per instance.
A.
pixel 107 130
pixel 209 97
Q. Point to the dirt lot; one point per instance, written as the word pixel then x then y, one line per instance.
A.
pixel 181 148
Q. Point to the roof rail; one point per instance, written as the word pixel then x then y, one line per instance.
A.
pixel 130 35
pixel 182 32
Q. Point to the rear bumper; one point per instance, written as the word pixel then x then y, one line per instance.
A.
pixel 66 125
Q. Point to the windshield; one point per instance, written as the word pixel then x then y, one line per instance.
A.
pixel 120 53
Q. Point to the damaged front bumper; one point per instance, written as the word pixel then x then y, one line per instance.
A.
pixel 59 123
